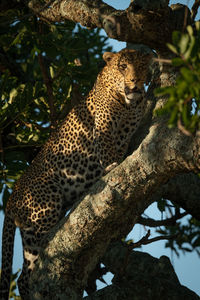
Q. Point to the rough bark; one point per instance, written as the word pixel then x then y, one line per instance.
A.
pixel 138 273
pixel 184 190
pixel 144 22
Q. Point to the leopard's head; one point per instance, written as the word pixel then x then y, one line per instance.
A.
pixel 130 69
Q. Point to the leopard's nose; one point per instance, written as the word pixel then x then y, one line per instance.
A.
pixel 129 91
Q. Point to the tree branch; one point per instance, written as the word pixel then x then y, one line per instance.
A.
pixel 145 240
pixel 184 190
pixel 167 222
pixel 149 23
pixel 145 277
pixel 194 9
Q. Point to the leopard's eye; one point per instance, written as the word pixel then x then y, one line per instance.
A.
pixel 123 66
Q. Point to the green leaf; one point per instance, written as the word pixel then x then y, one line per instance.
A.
pixel 173 117
pixel 191 45
pixel 177 62
pixel 19 37
pixel 190 30
pixel 187 74
pixel 163 91
pixel 197 25
pixel 172 48
pixel 183 44
pixel 176 36
pixel 13 95
pixel 185 117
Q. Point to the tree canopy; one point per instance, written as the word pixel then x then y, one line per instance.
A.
pixel 50 55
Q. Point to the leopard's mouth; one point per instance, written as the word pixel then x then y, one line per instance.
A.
pixel 132 97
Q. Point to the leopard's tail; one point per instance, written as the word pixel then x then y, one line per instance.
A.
pixel 7 257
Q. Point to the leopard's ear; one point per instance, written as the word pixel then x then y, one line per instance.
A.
pixel 107 56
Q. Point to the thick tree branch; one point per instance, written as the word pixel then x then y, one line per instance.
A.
pixel 147 22
pixel 111 210
pixel 144 277
pixel 184 190
pixel 150 23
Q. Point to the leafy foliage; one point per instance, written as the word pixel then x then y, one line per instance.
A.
pixel 44 70
pixel 13 286
pixel 183 103
pixel 183 108
pixel 188 236
pixel 186 231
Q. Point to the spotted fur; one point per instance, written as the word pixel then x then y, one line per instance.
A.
pixel 94 135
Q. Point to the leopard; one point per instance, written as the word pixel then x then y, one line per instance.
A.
pixel 92 139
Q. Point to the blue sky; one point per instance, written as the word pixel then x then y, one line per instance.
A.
pixel 187 266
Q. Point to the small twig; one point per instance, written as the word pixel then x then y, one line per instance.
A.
pixel 185 19
pixel 57 75
pixel 163 60
pixel 28 125
pixel 142 241
pixel 182 128
pixel 145 240
pixel 167 222
pixel 194 9
pixel 187 63
pixel 23 146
